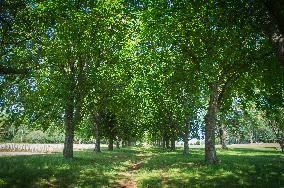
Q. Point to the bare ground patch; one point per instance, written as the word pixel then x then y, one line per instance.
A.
pixel 126 180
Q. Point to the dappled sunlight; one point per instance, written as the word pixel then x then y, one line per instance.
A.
pixel 146 167
pixel 87 168
pixel 234 170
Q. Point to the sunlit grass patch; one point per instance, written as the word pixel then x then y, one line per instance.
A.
pixel 157 168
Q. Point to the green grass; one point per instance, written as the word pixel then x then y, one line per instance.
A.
pixel 238 168
pixel 87 169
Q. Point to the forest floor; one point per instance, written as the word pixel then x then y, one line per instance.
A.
pixel 145 167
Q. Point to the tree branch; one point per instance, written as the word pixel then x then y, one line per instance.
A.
pixel 13 71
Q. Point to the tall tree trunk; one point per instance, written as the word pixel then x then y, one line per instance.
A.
pixel 281 142
pixel 173 133
pixel 166 140
pixel 168 143
pixel 223 135
pixel 69 131
pixel 97 120
pixel 123 143
pixel 164 143
pixel 110 144
pixel 173 144
pixel 129 143
pixel 210 121
pixel 69 118
pixel 117 144
pixel 98 140
pixel 276 37
pixel 279 135
pixel 251 138
pixel 111 125
pixel 74 102
pixel 185 138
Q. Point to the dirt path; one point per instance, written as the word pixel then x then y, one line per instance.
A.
pixel 163 180
pixel 126 180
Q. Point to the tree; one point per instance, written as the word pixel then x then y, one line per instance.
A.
pixel 73 49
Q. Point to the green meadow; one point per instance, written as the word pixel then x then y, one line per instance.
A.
pixel 145 167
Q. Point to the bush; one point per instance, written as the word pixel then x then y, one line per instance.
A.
pixel 36 136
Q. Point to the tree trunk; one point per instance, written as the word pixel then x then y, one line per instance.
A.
pixel 223 136
pixel 251 138
pixel 123 143
pixel 129 143
pixel 98 139
pixel 69 118
pixel 173 144
pixel 97 119
pixel 164 143
pixel 210 122
pixel 74 102
pixel 69 132
pixel 185 138
pixel 117 144
pixel 110 143
pixel 281 143
pixel 276 38
pixel 168 143
pixel 111 132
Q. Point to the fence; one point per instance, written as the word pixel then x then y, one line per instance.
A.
pixel 40 148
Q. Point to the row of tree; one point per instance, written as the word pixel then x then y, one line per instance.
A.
pixel 130 67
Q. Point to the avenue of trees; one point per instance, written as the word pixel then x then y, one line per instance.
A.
pixel 156 70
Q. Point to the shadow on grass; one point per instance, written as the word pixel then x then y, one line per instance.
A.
pixel 87 169
pixel 238 168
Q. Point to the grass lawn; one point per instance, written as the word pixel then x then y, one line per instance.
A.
pixel 145 167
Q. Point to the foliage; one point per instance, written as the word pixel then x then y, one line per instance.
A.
pixel 164 68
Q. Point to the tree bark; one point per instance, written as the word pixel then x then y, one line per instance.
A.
pixel 251 138
pixel 279 135
pixel 173 144
pixel 223 136
pixel 117 144
pixel 168 143
pixel 210 121
pixel 275 37
pixel 97 121
pixel 123 143
pixel 129 143
pixel 98 139
pixel 110 139
pixel 13 71
pixel 110 144
pixel 69 119
pixel 185 138
pixel 69 131
pixel 281 143
pixel 164 143
pixel 74 101
pixel 111 124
